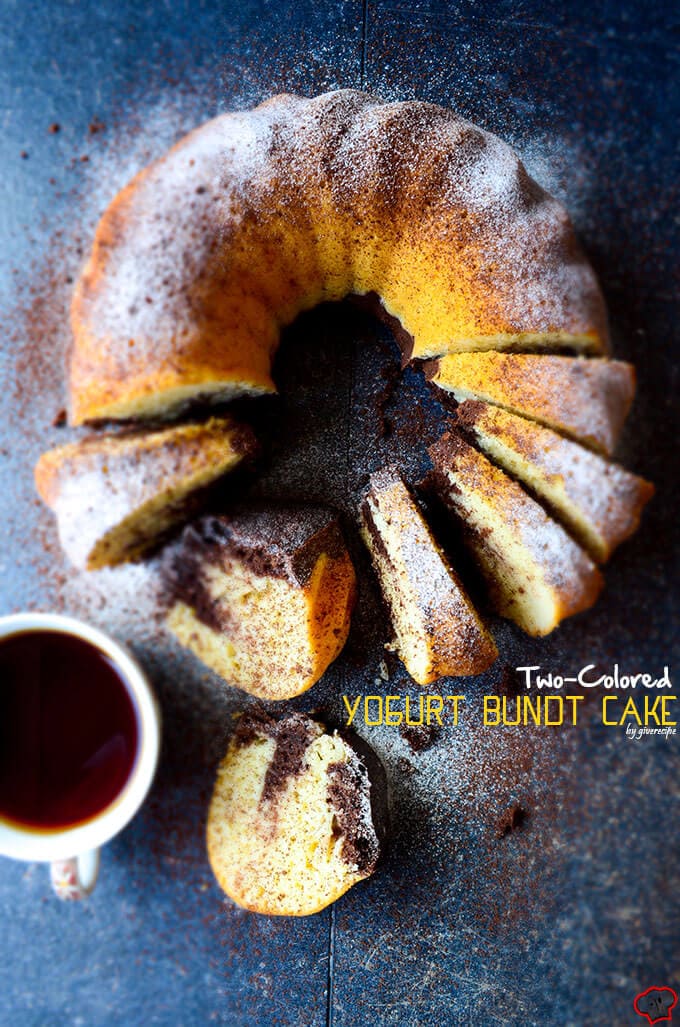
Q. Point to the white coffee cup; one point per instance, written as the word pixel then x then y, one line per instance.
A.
pixel 74 851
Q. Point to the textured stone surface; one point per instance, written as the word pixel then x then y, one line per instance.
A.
pixel 561 920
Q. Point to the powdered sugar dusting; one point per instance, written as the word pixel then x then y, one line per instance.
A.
pixel 562 165
pixel 125 601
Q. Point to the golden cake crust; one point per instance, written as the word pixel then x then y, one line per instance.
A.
pixel 258 215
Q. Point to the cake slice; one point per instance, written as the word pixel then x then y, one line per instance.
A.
pixel 116 496
pixel 438 632
pixel 263 596
pixel 587 399
pixel 297 817
pixel 537 575
pixel 598 501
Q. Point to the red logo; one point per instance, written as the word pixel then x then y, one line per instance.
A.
pixel 656 1004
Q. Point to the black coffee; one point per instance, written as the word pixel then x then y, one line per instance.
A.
pixel 68 730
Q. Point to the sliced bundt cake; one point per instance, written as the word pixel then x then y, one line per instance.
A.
pixel 536 574
pixel 297 815
pixel 117 496
pixel 585 399
pixel 438 631
pixel 263 595
pixel 598 501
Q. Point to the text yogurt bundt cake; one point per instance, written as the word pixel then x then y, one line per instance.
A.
pixel 263 596
pixel 260 214
pixel 115 496
pixel 295 819
pixel 536 574
pixel 438 632
pixel 598 501
pixel 586 399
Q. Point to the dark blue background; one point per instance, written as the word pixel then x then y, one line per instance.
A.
pixel 562 921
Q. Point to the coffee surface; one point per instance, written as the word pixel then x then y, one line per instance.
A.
pixel 68 730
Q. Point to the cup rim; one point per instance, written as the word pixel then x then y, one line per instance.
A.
pixel 21 841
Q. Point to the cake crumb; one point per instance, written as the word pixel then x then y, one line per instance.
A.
pixel 514 817
pixel 418 736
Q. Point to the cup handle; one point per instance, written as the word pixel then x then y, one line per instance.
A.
pixel 75 878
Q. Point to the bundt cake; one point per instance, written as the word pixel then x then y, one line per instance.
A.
pixel 438 632
pixel 598 501
pixel 536 574
pixel 260 214
pixel 263 596
pixel 295 819
pixel 115 496
pixel 588 400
